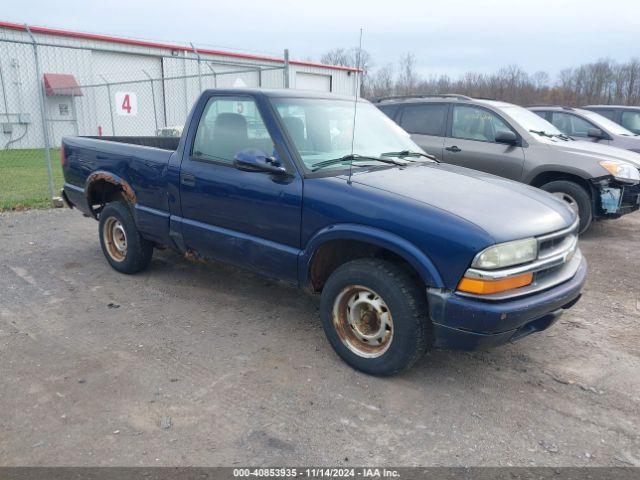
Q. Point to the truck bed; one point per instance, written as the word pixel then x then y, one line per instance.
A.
pixel 140 162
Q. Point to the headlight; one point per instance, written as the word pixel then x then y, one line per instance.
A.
pixel 507 254
pixel 621 170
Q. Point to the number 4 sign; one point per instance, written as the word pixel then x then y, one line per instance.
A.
pixel 126 104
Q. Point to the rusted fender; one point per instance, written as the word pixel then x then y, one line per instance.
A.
pixel 101 175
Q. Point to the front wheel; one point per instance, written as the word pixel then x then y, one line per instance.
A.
pixel 575 196
pixel 375 316
pixel 125 250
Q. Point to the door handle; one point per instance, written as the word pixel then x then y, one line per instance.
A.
pixel 188 179
pixel 453 148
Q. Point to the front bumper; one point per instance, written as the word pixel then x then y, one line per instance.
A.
pixel 617 199
pixel 469 323
pixel 630 201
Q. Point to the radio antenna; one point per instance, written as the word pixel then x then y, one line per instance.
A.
pixel 355 103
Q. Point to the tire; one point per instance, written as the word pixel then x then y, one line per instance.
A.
pixel 575 195
pixel 376 285
pixel 125 250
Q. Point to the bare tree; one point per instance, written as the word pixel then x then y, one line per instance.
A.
pixel 408 78
pixel 603 81
pixel 337 56
pixel 348 57
pixel 380 83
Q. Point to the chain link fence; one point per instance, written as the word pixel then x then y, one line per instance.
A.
pixel 48 91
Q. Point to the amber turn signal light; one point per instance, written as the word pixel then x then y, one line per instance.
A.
pixel 486 287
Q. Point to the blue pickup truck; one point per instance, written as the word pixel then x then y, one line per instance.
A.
pixel 327 193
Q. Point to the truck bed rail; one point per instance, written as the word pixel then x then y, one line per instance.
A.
pixel 164 143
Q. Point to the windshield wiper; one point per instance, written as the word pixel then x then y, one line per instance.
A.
pixel 409 153
pixel 352 157
pixel 542 132
pixel 564 136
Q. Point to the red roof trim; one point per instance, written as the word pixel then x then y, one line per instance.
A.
pixel 61 84
pixel 144 43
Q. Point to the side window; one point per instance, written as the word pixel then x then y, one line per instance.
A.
pixel 472 123
pixel 425 119
pixel 562 121
pixel 542 113
pixel 606 113
pixel 631 120
pixel 229 125
pixel 570 124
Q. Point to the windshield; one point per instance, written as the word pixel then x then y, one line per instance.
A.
pixel 605 123
pixel 529 120
pixel 322 131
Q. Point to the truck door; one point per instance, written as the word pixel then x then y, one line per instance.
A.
pixel 251 219
pixel 471 143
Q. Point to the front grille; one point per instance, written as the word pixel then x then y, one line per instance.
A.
pixel 542 274
pixel 562 245
pixel 557 243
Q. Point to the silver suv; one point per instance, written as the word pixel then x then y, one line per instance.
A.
pixel 496 137
pixel 590 126
pixel 625 115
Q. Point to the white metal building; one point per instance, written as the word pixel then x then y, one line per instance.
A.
pixel 101 85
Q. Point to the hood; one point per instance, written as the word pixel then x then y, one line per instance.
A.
pixel 630 143
pixel 504 209
pixel 601 152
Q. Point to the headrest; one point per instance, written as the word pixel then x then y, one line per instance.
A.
pixel 230 122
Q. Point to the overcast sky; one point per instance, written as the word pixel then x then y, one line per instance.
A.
pixel 449 37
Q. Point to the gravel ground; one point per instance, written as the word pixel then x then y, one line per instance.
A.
pixel 194 365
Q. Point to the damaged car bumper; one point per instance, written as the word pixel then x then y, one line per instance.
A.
pixel 615 198
pixel 469 323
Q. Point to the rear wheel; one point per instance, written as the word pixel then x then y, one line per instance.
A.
pixel 125 250
pixel 375 316
pixel 575 196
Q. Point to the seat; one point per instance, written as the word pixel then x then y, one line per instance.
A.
pixel 229 135
pixel 295 127
pixel 477 129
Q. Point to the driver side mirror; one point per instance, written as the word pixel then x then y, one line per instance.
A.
pixel 252 160
pixel 507 137
pixel 596 133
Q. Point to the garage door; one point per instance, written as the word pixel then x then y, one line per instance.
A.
pixel 313 81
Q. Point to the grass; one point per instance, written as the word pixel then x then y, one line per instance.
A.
pixel 24 182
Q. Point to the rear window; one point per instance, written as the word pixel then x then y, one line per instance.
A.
pixel 389 110
pixel 426 119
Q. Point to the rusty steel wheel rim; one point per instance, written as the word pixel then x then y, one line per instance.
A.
pixel 363 321
pixel 115 239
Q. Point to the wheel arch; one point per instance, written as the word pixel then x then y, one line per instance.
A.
pixel 102 187
pixel 335 245
pixel 544 177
